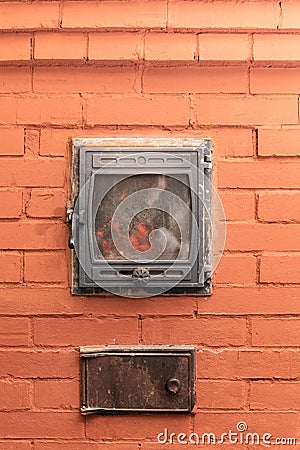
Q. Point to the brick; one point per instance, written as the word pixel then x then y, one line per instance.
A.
pixel 263 237
pixel 278 268
pixel 39 363
pixel 114 14
pixel 259 174
pixel 247 363
pixel 128 307
pixel 57 141
pixel 224 47
pixel 275 332
pixel 252 300
pixel 50 424
pixel 290 14
pixel 195 79
pixel 15 15
pixel 14 395
pixel 278 395
pixel 278 142
pixel 35 300
pixel 229 14
pixel 276 423
pixel 84 79
pixel 32 172
pixel 274 80
pixel 10 203
pixel 71 445
pixel 15 79
pixel 238 205
pixel 84 331
pixel 236 269
pixel 46 203
pixel 177 438
pixel 32 142
pixel 15 445
pixel 213 394
pixel 83 445
pixel 238 110
pixel 34 235
pixel 201 331
pixel 59 301
pixel 56 394
pixel 233 142
pixel 12 141
pixel 15 47
pixel 115 46
pixel 170 46
pixel 45 267
pixel 136 427
pixel 14 331
pixel 276 47
pixel 11 265
pixel 54 142
pixel 134 110
pixel 279 206
pixel 52 45
pixel 39 110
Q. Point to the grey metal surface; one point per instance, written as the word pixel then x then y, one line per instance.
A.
pixel 88 158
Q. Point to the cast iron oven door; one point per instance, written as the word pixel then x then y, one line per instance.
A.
pixel 141 221
pixel 123 380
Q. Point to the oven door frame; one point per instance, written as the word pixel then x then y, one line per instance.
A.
pixel 195 152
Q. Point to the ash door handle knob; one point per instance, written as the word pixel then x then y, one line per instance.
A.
pixel 173 385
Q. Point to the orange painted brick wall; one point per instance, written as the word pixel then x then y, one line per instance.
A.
pixel 229 70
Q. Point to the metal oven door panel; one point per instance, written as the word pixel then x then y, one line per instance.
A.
pixel 136 380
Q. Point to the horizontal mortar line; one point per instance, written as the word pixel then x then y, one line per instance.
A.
pixel 40 316
pixel 235 315
pixel 263 158
pixel 253 380
pixel 84 439
pixel 242 348
pixel 259 222
pixel 87 95
pixel 24 218
pixel 45 316
pixel 273 190
pixel 83 316
pixel 262 222
pixel 117 63
pixel 289 284
pixel 246 409
pixel 278 379
pixel 33 379
pixel 261 252
pixel 35 288
pixel 23 285
pixel 49 284
pixel 255 285
pixel 36 351
pixel 163 29
pixel 265 316
pixel 67 409
pixel 263 189
pixel 117 127
pixel 147 63
pixel 199 346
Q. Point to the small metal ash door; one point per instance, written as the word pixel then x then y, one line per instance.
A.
pixel 141 222
pixel 118 380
